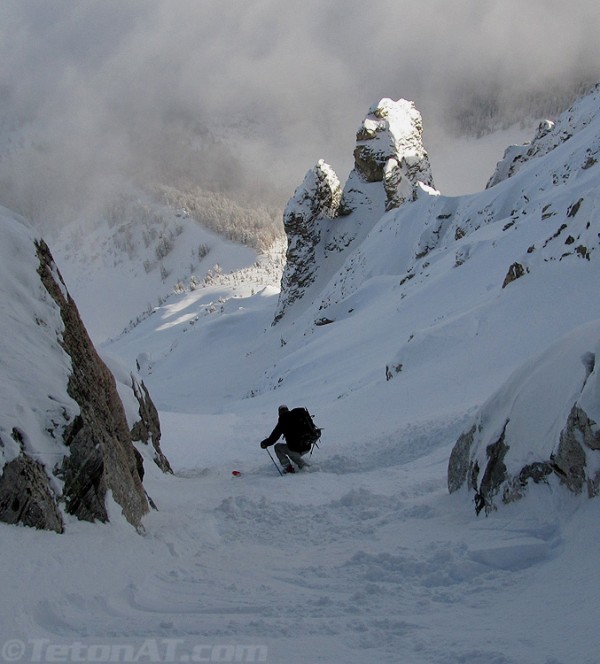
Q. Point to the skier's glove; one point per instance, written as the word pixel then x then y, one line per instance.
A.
pixel 264 444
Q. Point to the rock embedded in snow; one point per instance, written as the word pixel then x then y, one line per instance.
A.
pixel 580 436
pixel 25 496
pixel 515 271
pixel 64 434
pixel 543 423
pixel 516 155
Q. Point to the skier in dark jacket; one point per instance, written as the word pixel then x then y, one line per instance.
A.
pixel 293 448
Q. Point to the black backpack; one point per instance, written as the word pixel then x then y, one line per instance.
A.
pixel 307 433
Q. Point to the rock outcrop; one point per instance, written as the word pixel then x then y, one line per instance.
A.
pixel 316 199
pixel 578 439
pixel 65 441
pixel 25 495
pixel 543 424
pixel 147 428
pixel 389 149
pixel 322 221
pixel 517 155
pixel 101 455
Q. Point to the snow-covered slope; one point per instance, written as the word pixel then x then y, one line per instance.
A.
pixel 140 254
pixel 366 556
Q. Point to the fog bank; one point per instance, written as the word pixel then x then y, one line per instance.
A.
pixel 244 97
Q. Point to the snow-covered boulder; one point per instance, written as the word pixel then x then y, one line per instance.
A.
pixel 65 442
pixel 543 424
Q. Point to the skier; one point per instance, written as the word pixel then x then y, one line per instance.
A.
pixel 291 427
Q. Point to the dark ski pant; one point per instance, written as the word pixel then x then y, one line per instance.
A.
pixel 284 454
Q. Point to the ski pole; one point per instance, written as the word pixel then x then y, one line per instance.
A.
pixel 273 460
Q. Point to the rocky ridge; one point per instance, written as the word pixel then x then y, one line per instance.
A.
pixel 65 440
pixel 543 191
pixel 549 136
pixel 555 397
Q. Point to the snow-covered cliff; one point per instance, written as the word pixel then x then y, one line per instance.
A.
pixel 541 426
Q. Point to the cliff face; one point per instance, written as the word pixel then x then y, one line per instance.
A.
pixel 64 435
pixel 101 455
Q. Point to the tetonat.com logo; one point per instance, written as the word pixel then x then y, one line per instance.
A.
pixel 162 651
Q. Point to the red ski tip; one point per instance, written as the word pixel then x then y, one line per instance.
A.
pixel 236 473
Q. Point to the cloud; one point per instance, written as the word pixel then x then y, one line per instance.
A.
pixel 96 92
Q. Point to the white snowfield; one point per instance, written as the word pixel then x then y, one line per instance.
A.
pixel 364 557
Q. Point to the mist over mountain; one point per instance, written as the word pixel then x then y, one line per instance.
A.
pixel 242 98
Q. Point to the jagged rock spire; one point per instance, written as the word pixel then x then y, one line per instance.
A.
pixel 389 149
pixel 316 198
pixel 390 163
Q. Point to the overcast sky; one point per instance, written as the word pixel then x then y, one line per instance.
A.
pixel 106 81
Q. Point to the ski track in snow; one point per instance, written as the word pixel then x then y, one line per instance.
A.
pixel 363 557
pixel 377 565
